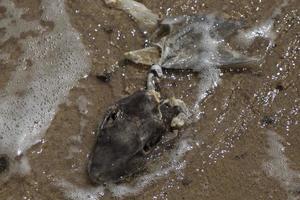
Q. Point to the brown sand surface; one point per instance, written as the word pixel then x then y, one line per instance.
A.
pixel 228 162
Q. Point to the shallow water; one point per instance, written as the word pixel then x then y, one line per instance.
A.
pixel 245 144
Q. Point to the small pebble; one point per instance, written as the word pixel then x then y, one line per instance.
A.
pixel 105 77
pixel 267 120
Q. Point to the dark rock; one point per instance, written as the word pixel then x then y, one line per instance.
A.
pixel 267 120
pixel 105 77
pixel 279 87
pixel 3 163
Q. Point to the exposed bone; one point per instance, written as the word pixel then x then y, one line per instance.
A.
pixel 146 56
pixel 183 117
pixel 157 69
pixel 150 81
pixel 152 78
pixel 155 94
pixel 178 102
pixel 178 121
pixel 145 18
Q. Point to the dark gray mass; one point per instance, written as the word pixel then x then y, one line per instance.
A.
pixel 129 130
pixel 4 163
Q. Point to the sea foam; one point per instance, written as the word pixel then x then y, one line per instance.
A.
pixel 59 60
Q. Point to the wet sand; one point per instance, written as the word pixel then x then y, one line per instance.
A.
pixel 231 144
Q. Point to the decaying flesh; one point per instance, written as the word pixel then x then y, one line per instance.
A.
pixel 130 129
pixel 198 42
pixel 191 42
pixel 135 124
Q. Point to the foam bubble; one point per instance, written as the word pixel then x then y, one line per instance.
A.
pixel 58 61
pixel 78 193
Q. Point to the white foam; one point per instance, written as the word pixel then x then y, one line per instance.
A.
pixel 76 140
pixel 174 163
pixel 78 193
pixel 204 55
pixel 71 151
pixel 277 167
pixel 23 166
pixel 59 60
pixel 209 73
pixel 83 103
pixel 264 29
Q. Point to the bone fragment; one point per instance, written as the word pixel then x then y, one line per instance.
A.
pixel 146 56
pixel 154 94
pixel 178 121
pixel 183 117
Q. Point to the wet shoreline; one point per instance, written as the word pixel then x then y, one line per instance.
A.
pixel 230 141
